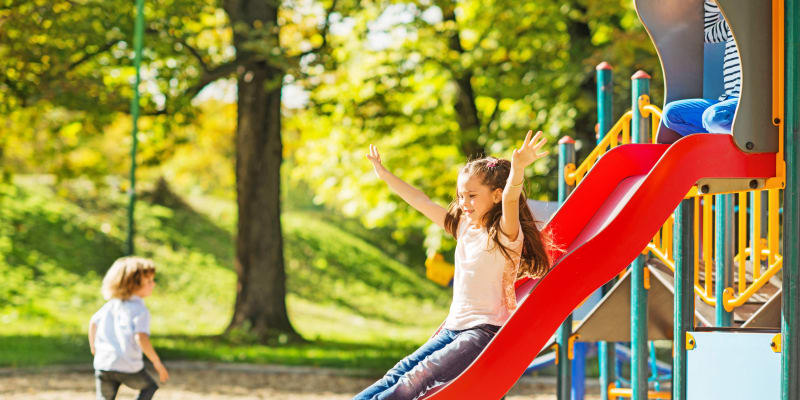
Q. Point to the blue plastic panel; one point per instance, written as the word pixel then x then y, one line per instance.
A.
pixel 733 366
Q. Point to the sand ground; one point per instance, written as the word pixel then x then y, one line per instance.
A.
pixel 212 381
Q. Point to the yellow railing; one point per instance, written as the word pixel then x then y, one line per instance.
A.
pixel 619 134
pixel 615 393
pixel 645 108
pixel 767 249
pixel 763 267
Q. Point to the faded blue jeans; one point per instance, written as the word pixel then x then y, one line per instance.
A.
pixel 700 115
pixel 441 359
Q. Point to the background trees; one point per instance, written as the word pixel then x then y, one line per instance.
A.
pixel 431 82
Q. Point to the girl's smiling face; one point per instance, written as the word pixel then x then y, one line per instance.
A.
pixel 476 199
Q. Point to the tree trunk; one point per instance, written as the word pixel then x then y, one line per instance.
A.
pixel 466 111
pixel 261 291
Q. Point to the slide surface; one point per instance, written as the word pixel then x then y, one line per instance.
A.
pixel 603 225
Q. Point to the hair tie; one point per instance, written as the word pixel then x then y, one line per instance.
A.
pixel 492 163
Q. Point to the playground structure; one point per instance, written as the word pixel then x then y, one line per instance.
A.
pixel 711 217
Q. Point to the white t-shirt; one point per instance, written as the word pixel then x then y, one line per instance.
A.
pixel 117 323
pixel 483 285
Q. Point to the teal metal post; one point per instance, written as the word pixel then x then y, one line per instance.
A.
pixel 137 62
pixel 790 321
pixel 605 92
pixel 606 357
pixel 640 129
pixel 566 155
pixel 723 253
pixel 684 294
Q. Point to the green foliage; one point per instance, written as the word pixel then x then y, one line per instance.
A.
pixel 352 273
pixel 391 81
pixel 354 303
pixel 66 74
pixel 387 75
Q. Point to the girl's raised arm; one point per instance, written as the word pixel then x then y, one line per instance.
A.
pixel 520 158
pixel 410 194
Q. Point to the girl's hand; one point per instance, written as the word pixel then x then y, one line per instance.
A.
pixel 529 151
pixel 375 158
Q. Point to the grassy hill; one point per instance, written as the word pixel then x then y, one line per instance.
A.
pixel 348 295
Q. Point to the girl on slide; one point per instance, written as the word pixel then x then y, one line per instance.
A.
pixel 497 241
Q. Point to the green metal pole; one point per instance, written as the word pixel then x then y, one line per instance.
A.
pixel 566 155
pixel 605 92
pixel 606 356
pixel 790 321
pixel 137 62
pixel 723 253
pixel 684 295
pixel 640 127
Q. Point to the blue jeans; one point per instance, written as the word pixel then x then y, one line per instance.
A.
pixel 441 359
pixel 700 115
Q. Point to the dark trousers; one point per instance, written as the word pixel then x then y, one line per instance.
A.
pixel 107 384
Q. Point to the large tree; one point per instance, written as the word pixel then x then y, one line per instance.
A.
pixel 75 56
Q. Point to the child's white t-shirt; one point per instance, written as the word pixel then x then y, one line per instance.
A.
pixel 117 323
pixel 483 285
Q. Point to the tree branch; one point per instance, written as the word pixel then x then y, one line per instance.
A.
pixel 213 75
pixel 89 56
pixel 154 113
pixel 209 77
pixel 196 54
pixel 192 50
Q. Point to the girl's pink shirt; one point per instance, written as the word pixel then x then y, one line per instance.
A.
pixel 483 285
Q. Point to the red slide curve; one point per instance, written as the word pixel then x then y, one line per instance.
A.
pixel 604 224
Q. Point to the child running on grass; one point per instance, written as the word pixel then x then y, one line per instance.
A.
pixel 497 241
pixel 120 331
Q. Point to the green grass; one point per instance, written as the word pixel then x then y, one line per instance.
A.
pixel 348 295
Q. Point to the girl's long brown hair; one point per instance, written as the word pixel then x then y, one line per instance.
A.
pixel 494 172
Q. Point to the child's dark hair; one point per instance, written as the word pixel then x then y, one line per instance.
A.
pixel 494 172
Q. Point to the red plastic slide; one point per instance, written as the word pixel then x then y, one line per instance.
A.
pixel 604 224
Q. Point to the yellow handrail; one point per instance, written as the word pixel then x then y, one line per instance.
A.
pixel 615 393
pixel 659 253
pixel 573 175
pixel 731 301
pixel 645 108
pixel 742 240
pixel 661 249
pixel 708 242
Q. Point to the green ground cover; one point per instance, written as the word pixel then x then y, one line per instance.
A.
pixel 348 295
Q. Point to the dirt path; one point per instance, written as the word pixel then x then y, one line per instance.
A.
pixel 194 381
